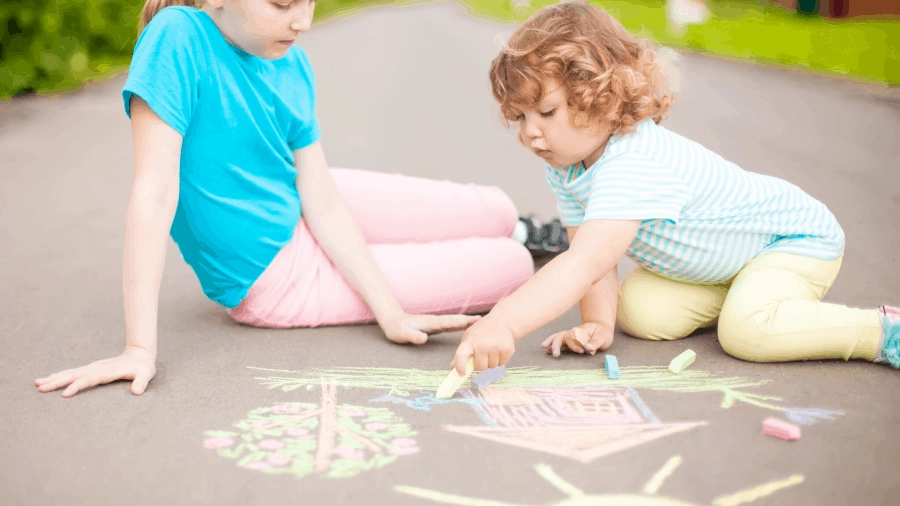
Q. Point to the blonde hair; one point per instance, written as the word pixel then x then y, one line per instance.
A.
pixel 152 8
pixel 608 76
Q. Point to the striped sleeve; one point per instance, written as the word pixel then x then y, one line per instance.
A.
pixel 571 214
pixel 633 186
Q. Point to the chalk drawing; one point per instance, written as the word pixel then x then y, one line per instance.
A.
pixel 423 402
pixel 402 382
pixel 576 497
pixel 297 438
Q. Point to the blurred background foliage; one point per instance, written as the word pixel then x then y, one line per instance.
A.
pixel 50 46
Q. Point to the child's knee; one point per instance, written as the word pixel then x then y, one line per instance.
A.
pixel 742 337
pixel 637 316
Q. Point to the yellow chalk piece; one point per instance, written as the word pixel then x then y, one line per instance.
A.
pixel 454 381
pixel 682 362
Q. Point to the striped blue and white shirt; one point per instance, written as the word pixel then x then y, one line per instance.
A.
pixel 702 217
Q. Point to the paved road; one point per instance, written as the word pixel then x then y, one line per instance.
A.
pixel 405 90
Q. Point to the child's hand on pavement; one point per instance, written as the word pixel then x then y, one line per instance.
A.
pixel 415 328
pixel 135 364
pixel 588 337
pixel 489 342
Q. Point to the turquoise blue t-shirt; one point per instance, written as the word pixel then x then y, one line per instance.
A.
pixel 241 117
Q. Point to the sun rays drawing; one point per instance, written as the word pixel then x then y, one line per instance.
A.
pixel 649 495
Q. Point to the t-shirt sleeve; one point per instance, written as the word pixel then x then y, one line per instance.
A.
pixel 633 186
pixel 570 211
pixel 306 131
pixel 166 68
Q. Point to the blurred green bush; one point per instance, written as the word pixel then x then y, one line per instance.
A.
pixel 56 45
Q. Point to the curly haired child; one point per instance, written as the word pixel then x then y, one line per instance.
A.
pixel 714 244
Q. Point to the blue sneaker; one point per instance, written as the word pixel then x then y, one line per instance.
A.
pixel 890 348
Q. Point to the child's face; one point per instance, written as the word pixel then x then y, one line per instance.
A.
pixel 548 131
pixel 265 28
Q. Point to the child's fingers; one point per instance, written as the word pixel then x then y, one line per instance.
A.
pixel 140 383
pixel 548 342
pixel 572 343
pixel 57 383
pixel 463 353
pixel 557 344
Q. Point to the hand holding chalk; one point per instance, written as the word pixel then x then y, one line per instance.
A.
pixel 488 342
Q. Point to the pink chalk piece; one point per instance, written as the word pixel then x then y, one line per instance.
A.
pixel 376 426
pixel 782 430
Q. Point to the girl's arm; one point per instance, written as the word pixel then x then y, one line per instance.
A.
pixel 598 316
pixel 151 208
pixel 555 288
pixel 337 232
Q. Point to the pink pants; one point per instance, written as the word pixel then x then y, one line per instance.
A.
pixel 444 248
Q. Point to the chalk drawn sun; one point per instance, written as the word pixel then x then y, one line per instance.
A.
pixel 576 497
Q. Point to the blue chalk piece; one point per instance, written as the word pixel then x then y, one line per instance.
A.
pixel 488 376
pixel 612 367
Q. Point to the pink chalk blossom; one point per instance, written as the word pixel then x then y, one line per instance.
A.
pixel 298 432
pixel 287 409
pixel 404 450
pixel 353 412
pixel 214 443
pixel 257 465
pixel 403 442
pixel 270 444
pixel 279 459
pixel 349 453
pixel 376 426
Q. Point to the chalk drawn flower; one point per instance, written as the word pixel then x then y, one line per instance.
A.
pixel 279 459
pixel 271 444
pixel 287 409
pixel 214 443
pixel 300 432
pixel 403 442
pixel 330 439
pixel 404 450
pixel 349 453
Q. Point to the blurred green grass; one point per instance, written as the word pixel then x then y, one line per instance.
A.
pixel 747 29
pixel 51 46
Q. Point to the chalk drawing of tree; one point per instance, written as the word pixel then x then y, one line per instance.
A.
pixel 337 441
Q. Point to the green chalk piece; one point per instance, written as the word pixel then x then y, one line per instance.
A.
pixel 612 367
pixel 454 381
pixel 682 362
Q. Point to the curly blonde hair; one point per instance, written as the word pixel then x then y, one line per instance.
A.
pixel 608 76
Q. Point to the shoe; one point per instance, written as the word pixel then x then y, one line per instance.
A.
pixel 545 240
pixel 890 348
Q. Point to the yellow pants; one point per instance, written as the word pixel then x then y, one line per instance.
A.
pixel 770 312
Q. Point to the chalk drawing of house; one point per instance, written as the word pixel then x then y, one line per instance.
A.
pixel 583 423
